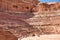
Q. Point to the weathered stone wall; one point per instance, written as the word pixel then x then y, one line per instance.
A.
pixel 48 23
pixel 47 7
pixel 12 16
pixel 6 35
pixel 25 18
pixel 46 20
pixel 17 5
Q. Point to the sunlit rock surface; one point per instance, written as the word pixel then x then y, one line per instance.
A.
pixel 6 35
pixel 43 37
pixel 54 6
pixel 29 18
pixel 17 5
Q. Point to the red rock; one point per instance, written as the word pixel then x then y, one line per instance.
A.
pixel 16 23
pixel 17 26
pixel 47 7
pixel 6 35
pixel 17 5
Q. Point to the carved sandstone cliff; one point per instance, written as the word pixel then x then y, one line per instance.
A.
pixel 47 18
pixel 54 6
pixel 17 5
pixel 24 18
pixel 12 16
pixel 6 35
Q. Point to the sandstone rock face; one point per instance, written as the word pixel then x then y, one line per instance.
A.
pixel 41 7
pixel 47 18
pixel 43 37
pixel 22 19
pixel 47 7
pixel 12 16
pixel 17 5
pixel 17 26
pixel 6 35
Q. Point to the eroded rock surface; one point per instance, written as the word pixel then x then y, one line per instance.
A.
pixel 47 18
pixel 17 5
pixel 25 18
pixel 17 26
pixel 47 7
pixel 12 16
pixel 6 35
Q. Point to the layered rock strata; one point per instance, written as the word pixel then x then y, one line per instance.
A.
pixel 25 18
pixel 47 18
pixel 12 16
pixel 6 35
pixel 17 5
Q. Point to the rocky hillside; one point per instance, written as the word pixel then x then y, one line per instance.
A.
pixel 24 18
